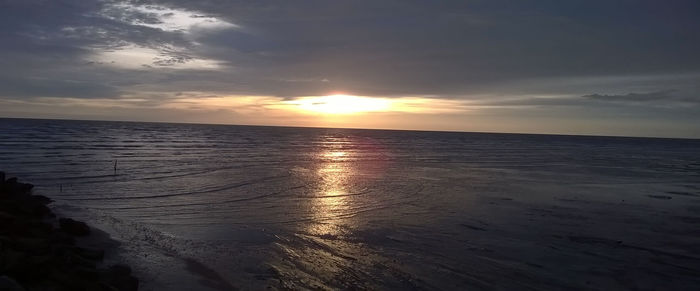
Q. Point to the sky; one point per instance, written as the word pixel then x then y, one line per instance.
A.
pixel 610 67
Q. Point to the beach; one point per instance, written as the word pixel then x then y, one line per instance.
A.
pixel 209 207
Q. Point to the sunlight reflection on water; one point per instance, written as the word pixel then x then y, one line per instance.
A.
pixel 331 202
pixel 332 205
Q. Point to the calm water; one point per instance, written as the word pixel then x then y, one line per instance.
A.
pixel 223 207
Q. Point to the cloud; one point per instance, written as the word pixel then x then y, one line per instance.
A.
pixel 634 97
pixel 16 87
pixel 373 48
pixel 419 47
pixel 660 98
pixel 162 17
pixel 181 26
pixel 667 98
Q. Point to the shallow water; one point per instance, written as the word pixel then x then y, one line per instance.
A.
pixel 224 207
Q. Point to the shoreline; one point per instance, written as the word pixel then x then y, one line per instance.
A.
pixel 39 250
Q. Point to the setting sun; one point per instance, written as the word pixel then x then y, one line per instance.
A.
pixel 341 104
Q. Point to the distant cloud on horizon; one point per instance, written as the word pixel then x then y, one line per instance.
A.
pixel 637 97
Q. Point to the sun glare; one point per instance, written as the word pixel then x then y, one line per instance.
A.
pixel 341 104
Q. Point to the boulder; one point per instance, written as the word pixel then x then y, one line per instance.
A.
pixel 119 277
pixel 10 259
pixel 7 283
pixel 92 254
pixel 42 199
pixel 14 187
pixel 61 238
pixel 66 279
pixel 27 244
pixel 74 227
pixel 120 270
pixel 127 283
pixel 29 206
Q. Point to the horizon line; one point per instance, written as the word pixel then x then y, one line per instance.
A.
pixel 359 128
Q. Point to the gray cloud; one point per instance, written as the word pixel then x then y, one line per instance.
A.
pixel 635 97
pixel 420 47
pixel 671 98
pixel 28 88
pixel 387 48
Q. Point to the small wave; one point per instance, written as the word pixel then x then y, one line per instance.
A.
pixel 227 187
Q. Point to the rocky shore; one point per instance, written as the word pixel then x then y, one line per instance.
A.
pixel 39 251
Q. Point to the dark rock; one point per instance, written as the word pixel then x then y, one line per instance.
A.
pixel 15 203
pixel 7 283
pixel 74 227
pixel 88 273
pixel 28 227
pixel 62 238
pixel 13 187
pixel 34 245
pixel 30 207
pixel 34 255
pixel 129 283
pixel 92 254
pixel 10 259
pixel 120 270
pixel 42 199
pixel 68 257
pixel 119 277
pixel 25 187
pixel 66 280
pixel 6 219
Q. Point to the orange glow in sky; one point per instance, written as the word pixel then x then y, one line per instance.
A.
pixel 341 104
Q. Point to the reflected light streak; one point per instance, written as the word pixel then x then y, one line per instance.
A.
pixel 332 201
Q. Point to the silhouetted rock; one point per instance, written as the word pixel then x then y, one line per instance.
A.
pixel 13 187
pixel 120 270
pixel 34 255
pixel 42 199
pixel 7 283
pixel 62 238
pixel 92 254
pixel 119 276
pixel 74 227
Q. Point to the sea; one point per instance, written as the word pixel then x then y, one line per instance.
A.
pixel 225 207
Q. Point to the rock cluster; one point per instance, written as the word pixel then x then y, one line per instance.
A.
pixel 38 252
